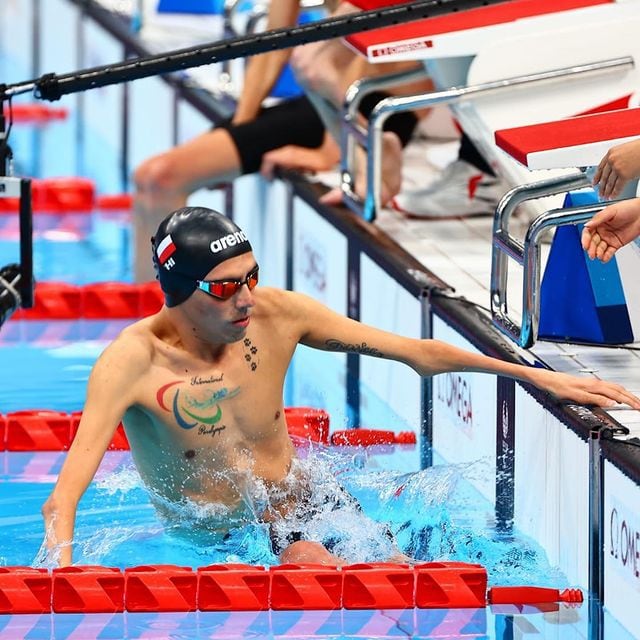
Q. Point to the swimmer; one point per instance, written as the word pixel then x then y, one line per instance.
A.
pixel 199 385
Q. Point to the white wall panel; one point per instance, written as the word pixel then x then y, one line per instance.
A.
pixel 622 548
pixel 464 416
pixel 552 487
pixel 390 391
pixel 319 378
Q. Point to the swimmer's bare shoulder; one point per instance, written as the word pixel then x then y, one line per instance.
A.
pixel 124 362
pixel 286 310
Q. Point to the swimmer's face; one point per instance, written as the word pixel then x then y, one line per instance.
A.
pixel 216 320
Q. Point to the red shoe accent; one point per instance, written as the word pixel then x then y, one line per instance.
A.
pixel 473 185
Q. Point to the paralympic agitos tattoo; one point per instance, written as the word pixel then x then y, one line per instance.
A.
pixel 190 412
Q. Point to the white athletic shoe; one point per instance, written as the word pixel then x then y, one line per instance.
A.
pixel 461 191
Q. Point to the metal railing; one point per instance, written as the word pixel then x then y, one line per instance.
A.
pixel 372 138
pixel 527 252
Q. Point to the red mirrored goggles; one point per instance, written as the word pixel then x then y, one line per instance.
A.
pixel 225 289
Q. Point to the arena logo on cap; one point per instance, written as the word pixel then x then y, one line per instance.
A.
pixel 164 251
pixel 230 240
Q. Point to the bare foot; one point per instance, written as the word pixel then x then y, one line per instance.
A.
pixel 391 173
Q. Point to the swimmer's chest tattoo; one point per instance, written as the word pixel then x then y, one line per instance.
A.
pixel 251 356
pixel 197 403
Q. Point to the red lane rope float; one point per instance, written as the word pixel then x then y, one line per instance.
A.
pixel 35 113
pixel 371 437
pixel 98 301
pixel 46 430
pixel 57 195
pixel 241 587
pixel 119 201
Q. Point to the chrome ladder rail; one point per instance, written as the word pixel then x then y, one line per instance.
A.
pixel 527 252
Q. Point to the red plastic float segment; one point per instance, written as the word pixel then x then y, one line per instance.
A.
pixel 532 595
pixel 57 195
pixel 450 585
pixel 3 432
pixel 53 301
pixel 38 430
pixel 308 423
pixel 87 589
pixel 119 442
pixel 151 298
pixel 63 195
pixel 111 300
pixel 160 588
pixel 24 590
pixel 306 586
pixel 104 300
pixel 370 437
pixel 116 201
pixel 233 587
pixel 35 113
pixel 378 585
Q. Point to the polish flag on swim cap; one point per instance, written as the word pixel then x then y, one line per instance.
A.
pixel 165 249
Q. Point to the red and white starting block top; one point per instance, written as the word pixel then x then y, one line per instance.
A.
pixel 581 141
pixel 466 32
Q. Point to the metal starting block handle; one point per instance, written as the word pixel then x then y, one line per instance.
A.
pixel 527 253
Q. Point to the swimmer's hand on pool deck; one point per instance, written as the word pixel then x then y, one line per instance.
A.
pixel 611 229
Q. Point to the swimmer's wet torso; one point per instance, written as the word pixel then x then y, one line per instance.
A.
pixel 204 429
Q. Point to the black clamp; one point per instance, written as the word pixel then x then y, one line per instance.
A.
pixel 48 87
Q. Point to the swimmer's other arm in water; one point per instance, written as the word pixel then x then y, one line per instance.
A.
pixel 111 389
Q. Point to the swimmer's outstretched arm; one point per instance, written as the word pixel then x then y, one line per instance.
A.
pixel 111 390
pixel 324 329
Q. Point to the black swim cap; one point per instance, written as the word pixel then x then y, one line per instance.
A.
pixel 188 244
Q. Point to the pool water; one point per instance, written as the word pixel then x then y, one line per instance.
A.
pixel 117 524
pixel 65 246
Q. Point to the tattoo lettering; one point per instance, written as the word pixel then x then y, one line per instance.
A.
pixel 363 349
pixel 251 354
pixel 210 431
pixel 195 380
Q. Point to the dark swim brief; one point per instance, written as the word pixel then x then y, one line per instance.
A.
pixel 342 499
pixel 296 122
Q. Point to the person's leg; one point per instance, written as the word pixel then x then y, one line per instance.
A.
pixel 307 551
pixel 164 182
pixel 326 72
pixel 468 152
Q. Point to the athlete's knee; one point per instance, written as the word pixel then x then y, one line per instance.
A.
pixel 306 69
pixel 306 551
pixel 156 174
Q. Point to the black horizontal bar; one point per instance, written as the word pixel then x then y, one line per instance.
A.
pixel 52 86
